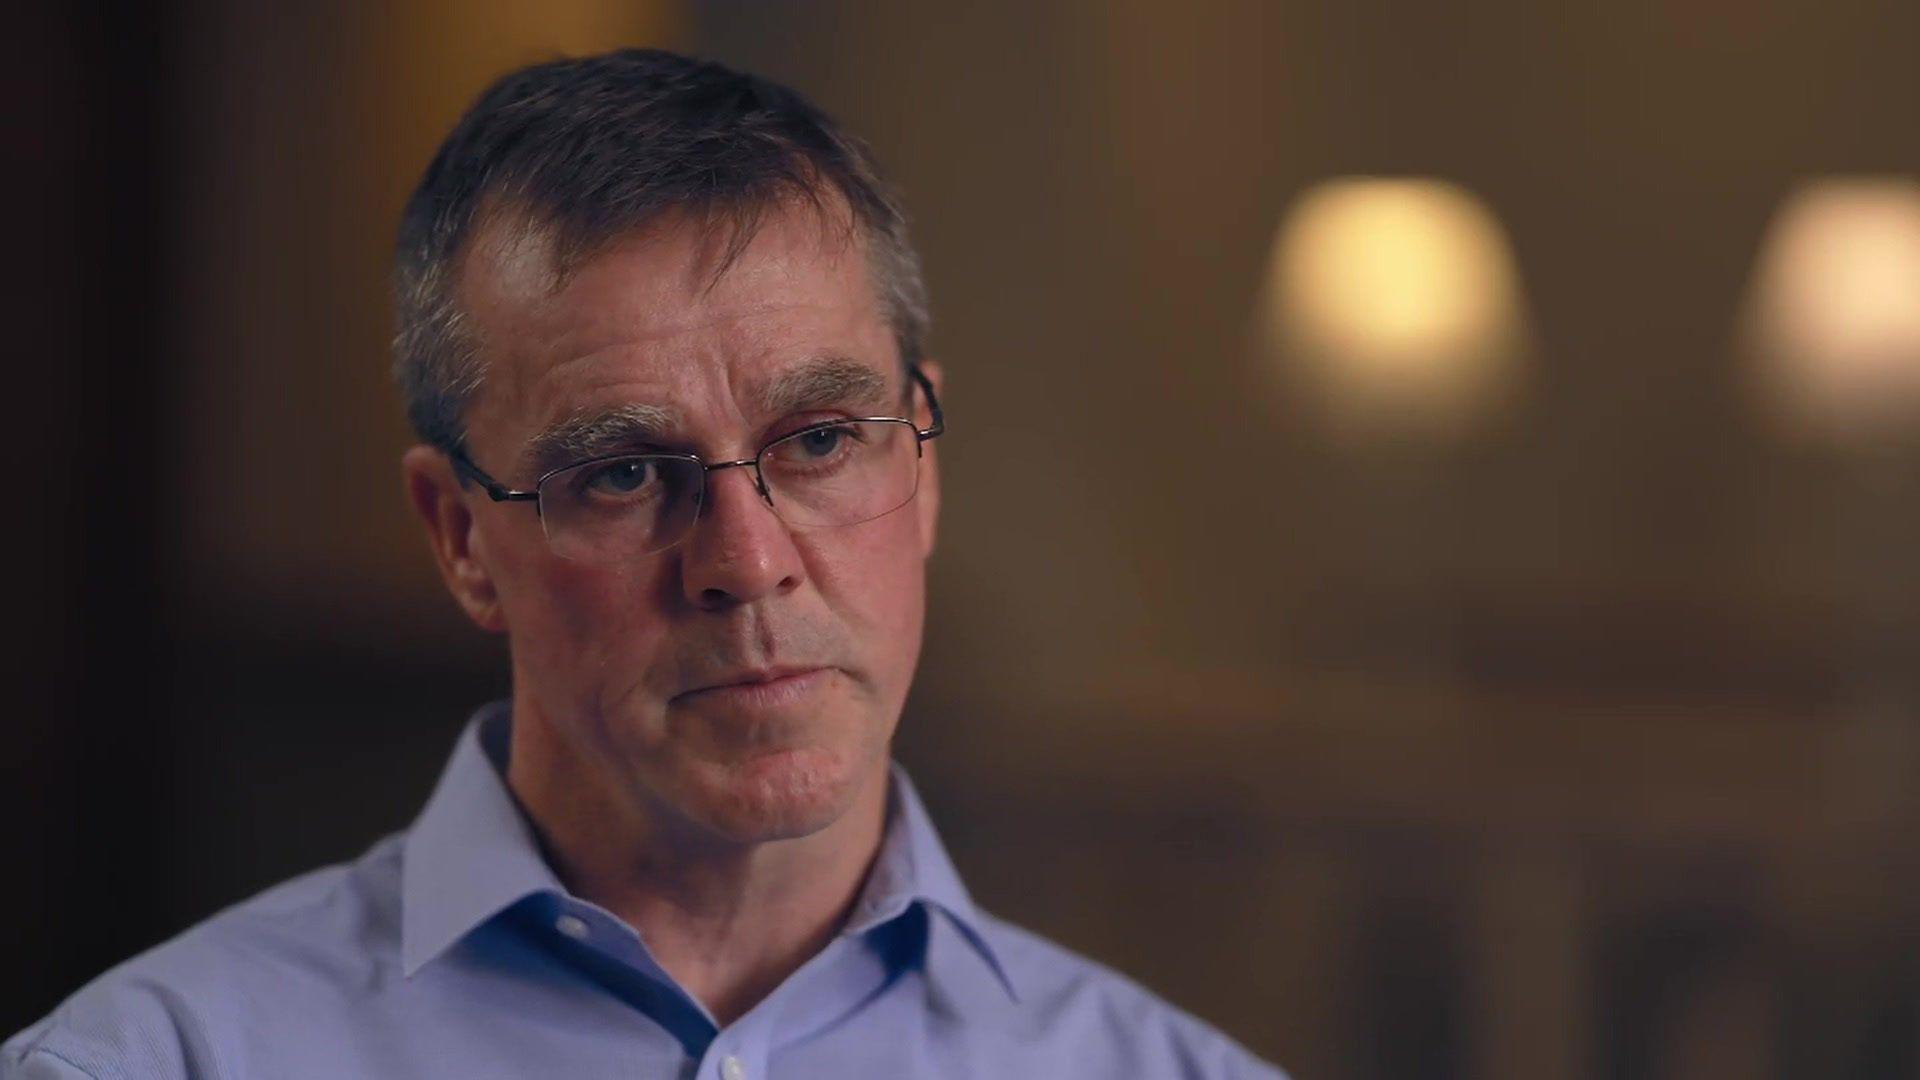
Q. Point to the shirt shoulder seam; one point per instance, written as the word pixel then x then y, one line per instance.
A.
pixel 40 1047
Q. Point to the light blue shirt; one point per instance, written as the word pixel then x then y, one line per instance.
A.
pixel 452 950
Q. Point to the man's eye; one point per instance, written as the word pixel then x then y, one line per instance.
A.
pixel 823 442
pixel 621 477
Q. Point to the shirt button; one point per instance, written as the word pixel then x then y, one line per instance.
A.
pixel 731 1069
pixel 573 926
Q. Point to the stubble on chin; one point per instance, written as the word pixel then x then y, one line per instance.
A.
pixel 778 794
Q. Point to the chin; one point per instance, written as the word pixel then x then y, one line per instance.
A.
pixel 776 794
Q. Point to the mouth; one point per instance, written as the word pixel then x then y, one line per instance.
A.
pixel 770 689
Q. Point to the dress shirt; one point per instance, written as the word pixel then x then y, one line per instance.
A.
pixel 452 950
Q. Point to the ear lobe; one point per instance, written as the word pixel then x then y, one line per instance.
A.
pixel 436 496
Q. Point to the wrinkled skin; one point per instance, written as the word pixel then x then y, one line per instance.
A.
pixel 613 729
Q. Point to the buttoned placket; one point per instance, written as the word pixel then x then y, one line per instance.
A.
pixel 830 982
pixel 725 1062
pixel 739 1050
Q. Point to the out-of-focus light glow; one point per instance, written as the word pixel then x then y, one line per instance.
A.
pixel 1395 303
pixel 1834 311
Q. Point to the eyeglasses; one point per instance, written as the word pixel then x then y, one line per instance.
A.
pixel 833 473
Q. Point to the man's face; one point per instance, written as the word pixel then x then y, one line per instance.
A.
pixel 744 684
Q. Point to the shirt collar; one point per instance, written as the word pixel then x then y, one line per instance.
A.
pixel 913 866
pixel 472 854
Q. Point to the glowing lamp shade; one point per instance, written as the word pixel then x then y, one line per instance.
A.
pixel 1395 304
pixel 1833 316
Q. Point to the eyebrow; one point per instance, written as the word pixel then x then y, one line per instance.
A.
pixel 588 435
pixel 818 383
pixel 815 384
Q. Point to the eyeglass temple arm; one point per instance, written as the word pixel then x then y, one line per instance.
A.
pixel 497 491
pixel 939 424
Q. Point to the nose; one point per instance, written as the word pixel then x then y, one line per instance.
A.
pixel 738 551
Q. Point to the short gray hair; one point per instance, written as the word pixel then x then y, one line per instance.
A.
pixel 587 150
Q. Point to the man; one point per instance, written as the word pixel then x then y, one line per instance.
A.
pixel 660 331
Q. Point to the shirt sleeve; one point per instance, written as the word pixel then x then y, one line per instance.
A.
pixel 107 1031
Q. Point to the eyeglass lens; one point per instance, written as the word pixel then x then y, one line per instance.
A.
pixel 842 474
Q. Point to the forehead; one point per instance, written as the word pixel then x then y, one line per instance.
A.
pixel 662 317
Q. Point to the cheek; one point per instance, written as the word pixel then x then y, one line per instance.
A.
pixel 588 632
pixel 874 578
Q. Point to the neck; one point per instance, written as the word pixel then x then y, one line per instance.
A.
pixel 728 920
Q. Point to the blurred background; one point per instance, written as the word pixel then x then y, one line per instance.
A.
pixel 1428 575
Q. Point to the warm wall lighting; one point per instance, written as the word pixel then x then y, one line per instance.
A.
pixel 1833 317
pixel 1394 303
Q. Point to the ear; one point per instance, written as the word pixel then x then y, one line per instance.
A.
pixel 927 499
pixel 452 533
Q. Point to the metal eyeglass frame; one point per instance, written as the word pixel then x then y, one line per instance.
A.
pixel 499 492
